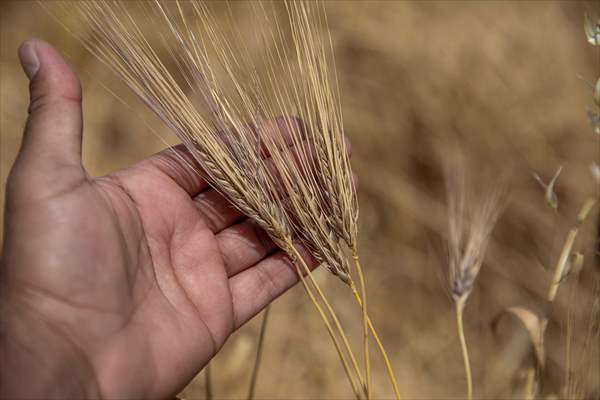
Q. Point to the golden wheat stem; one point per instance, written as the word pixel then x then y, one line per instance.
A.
pixel 259 351
pixel 460 305
pixel 563 259
pixel 365 318
pixel 208 383
pixel 568 349
pixel 333 315
pixel 297 258
pixel 530 386
pixel 386 359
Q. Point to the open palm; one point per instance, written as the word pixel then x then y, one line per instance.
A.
pixel 122 286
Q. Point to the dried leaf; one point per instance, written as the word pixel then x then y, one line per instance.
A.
pixel 534 326
pixel 574 266
pixel 592 31
pixel 549 194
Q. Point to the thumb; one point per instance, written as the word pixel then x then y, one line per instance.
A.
pixel 52 138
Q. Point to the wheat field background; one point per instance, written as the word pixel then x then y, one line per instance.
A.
pixel 420 81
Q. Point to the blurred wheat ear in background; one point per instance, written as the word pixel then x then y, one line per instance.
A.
pixel 471 222
pixel 269 137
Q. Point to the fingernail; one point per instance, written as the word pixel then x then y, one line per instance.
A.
pixel 29 59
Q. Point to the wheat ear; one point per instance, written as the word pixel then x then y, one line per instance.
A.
pixel 232 165
pixel 470 228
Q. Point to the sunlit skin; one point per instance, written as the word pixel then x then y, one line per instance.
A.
pixel 122 286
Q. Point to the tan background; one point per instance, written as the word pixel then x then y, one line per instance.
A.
pixel 418 80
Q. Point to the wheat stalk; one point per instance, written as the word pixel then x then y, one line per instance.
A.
pixel 258 359
pixel 221 140
pixel 331 213
pixel 470 228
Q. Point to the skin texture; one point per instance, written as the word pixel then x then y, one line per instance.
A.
pixel 122 286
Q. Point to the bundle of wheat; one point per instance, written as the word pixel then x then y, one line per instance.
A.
pixel 290 175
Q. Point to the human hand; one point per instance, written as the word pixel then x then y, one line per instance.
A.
pixel 122 286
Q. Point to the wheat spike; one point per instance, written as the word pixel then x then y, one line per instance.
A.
pixel 225 133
